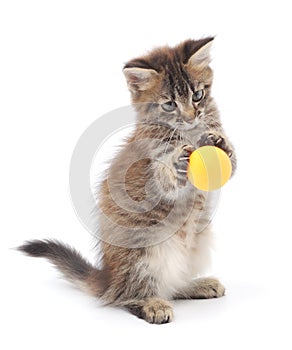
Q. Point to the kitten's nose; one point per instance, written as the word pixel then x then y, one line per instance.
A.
pixel 188 110
pixel 189 114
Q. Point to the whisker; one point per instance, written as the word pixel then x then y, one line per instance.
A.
pixel 161 138
pixel 168 143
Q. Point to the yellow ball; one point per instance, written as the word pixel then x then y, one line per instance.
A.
pixel 209 168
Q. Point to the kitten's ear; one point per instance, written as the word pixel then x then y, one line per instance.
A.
pixel 201 58
pixel 140 78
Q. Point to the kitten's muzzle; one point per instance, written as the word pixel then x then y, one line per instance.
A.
pixel 179 122
pixel 189 118
pixel 187 115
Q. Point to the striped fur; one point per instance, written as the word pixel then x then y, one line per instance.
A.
pixel 153 223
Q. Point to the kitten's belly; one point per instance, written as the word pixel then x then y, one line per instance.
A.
pixel 175 262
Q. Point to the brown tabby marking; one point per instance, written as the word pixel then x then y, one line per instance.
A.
pixel 153 223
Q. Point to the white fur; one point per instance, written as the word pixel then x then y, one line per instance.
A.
pixel 178 260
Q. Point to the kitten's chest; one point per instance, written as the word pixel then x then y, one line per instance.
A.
pixel 175 262
pixel 193 211
pixel 186 254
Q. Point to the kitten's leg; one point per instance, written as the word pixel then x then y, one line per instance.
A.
pixel 170 169
pixel 202 288
pixel 152 310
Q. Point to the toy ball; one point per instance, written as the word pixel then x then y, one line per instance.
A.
pixel 209 168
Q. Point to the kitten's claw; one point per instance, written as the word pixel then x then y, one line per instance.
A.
pixel 214 139
pixel 183 158
pixel 188 148
pixel 218 141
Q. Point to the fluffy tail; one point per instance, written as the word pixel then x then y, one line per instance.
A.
pixel 73 266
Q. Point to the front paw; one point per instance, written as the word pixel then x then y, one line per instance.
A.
pixel 181 162
pixel 215 139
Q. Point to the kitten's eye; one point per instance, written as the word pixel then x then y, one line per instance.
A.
pixel 198 95
pixel 169 106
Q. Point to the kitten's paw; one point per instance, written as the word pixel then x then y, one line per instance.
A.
pixel 207 288
pixel 181 163
pixel 215 139
pixel 157 311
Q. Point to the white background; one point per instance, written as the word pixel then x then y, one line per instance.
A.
pixel 60 68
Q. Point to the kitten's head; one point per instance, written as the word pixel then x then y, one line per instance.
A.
pixel 171 86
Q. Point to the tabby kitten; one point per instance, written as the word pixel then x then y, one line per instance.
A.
pixel 152 221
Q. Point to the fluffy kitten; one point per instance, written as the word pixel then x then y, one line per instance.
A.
pixel 152 221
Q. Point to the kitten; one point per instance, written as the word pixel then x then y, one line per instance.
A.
pixel 152 221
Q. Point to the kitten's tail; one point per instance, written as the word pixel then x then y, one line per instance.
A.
pixel 73 266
